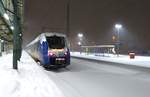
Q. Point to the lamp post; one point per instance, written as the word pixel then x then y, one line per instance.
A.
pixel 118 27
pixel 68 18
pixel 80 36
pixel 17 29
pixel 80 44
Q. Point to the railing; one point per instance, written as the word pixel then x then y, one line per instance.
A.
pixel 99 49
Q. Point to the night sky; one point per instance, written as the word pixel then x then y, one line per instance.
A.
pixel 94 18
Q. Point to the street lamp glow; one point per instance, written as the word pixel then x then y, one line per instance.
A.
pixel 80 35
pixel 118 26
pixel 79 43
pixel 12 28
pixel 20 34
pixel 6 16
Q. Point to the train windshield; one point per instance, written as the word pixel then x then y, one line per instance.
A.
pixel 56 42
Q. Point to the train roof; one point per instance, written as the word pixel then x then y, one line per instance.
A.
pixel 53 33
pixel 43 38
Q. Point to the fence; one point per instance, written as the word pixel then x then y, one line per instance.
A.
pixel 99 49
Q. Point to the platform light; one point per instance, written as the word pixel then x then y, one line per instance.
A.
pixel 80 35
pixel 20 34
pixel 6 16
pixel 12 28
pixel 118 26
pixel 2 41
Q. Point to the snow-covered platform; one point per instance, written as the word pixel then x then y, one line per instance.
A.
pixel 142 61
pixel 29 81
pixel 81 79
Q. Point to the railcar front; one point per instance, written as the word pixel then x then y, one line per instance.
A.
pixel 58 54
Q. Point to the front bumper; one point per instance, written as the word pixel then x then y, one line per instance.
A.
pixel 57 62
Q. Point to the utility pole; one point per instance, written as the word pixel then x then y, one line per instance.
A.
pixel 15 42
pixel 0 47
pixel 17 35
pixel 68 19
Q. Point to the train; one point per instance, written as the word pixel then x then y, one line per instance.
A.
pixel 51 49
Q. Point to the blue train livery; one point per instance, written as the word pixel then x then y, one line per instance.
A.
pixel 50 49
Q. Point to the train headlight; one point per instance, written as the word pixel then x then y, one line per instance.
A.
pixel 51 54
pixel 65 53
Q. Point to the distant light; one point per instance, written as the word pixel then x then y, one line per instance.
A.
pixel 6 16
pixel 113 38
pixel 12 28
pixel 79 43
pixel 2 41
pixel 118 26
pixel 80 35
pixel 20 34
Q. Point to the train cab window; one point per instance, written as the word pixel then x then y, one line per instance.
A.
pixel 56 42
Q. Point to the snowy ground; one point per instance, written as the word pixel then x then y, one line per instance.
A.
pixel 143 61
pixel 29 81
pixel 81 79
pixel 95 79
